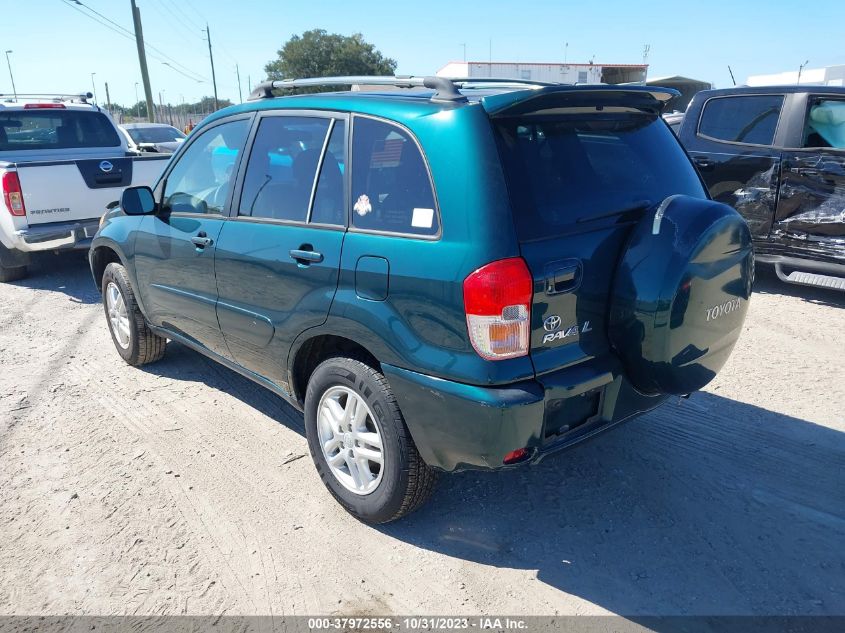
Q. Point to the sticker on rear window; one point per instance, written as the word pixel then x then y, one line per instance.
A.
pixel 362 205
pixel 422 218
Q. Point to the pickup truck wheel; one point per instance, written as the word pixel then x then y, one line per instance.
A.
pixel 12 274
pixel 360 444
pixel 136 343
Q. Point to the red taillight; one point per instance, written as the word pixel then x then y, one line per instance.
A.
pixel 497 302
pixel 44 106
pixel 515 456
pixel 12 193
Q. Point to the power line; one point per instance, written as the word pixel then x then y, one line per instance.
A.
pixel 194 25
pixel 120 30
pixel 188 28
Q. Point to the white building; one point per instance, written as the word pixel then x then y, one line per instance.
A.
pixel 828 76
pixel 553 72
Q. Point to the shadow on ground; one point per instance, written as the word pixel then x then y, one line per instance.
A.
pixel 66 272
pixel 710 507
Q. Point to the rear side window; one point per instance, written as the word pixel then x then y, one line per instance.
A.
pixel 566 169
pixel 282 167
pixel 825 125
pixel 747 119
pixel 391 188
pixel 22 130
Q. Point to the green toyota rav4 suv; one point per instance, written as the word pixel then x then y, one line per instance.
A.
pixel 442 275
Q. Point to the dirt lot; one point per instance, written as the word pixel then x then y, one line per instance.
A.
pixel 184 488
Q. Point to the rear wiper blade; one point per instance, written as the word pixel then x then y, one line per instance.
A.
pixel 640 205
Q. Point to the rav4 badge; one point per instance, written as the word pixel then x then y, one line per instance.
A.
pixel 554 321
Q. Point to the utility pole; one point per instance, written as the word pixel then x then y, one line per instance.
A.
pixel 137 103
pixel 646 51
pixel 11 76
pixel 211 57
pixel 108 98
pixel 94 87
pixel 142 60
pixel 160 105
pixel 238 73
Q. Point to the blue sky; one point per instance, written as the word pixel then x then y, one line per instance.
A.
pixel 56 48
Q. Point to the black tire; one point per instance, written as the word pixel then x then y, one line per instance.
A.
pixel 144 346
pixel 407 481
pixel 12 274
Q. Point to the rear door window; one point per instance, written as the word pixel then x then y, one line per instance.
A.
pixel 55 128
pixel 565 169
pixel 391 188
pixel 282 167
pixel 329 199
pixel 743 119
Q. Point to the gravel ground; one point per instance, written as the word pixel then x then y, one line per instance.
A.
pixel 182 488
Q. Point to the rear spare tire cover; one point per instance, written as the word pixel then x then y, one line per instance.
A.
pixel 680 294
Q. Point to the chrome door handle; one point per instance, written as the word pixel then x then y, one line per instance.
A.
pixel 306 257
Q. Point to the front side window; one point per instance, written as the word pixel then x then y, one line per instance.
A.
pixel 746 119
pixel 825 124
pixel 202 178
pixel 391 188
pixel 282 166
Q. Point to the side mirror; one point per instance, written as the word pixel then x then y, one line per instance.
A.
pixel 137 201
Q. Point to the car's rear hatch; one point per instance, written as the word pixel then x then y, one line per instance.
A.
pixel 582 165
pixel 70 162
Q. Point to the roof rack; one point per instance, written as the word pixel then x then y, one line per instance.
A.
pixel 81 97
pixel 446 89
pixel 480 82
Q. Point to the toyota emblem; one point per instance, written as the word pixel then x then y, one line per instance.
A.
pixel 106 166
pixel 551 323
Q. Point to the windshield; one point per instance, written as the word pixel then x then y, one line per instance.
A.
pixel 164 134
pixel 565 168
pixel 55 129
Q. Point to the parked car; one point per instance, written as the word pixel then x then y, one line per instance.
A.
pixel 674 120
pixel 440 279
pixel 62 161
pixel 152 137
pixel 777 155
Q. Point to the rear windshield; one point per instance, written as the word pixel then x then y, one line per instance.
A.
pixel 571 168
pixel 154 134
pixel 22 130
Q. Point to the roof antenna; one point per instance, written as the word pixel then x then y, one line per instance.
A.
pixel 732 74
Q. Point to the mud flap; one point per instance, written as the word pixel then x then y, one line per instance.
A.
pixel 12 257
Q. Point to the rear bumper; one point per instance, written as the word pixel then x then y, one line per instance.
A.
pixel 55 236
pixel 457 426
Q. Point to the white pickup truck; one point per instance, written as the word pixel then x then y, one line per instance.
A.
pixel 62 162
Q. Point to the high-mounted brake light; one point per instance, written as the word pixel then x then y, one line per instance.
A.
pixel 497 302
pixel 12 194
pixel 44 106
